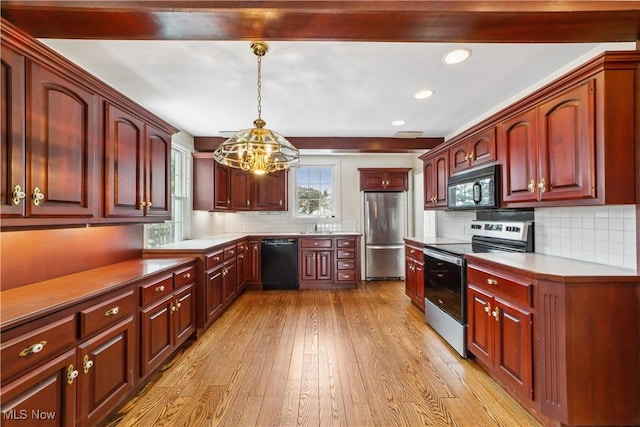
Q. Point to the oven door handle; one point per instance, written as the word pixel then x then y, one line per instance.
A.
pixel 443 257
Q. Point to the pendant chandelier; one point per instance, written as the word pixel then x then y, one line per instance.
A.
pixel 258 150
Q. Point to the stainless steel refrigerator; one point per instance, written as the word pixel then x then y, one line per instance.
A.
pixel 385 219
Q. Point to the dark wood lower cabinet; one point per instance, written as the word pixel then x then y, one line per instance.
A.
pixel 47 392
pixel 106 372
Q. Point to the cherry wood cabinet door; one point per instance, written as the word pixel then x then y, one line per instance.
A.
pixel 482 148
pixel 229 280
pixel 185 313
pixel 13 185
pixel 203 181
pixel 567 144
pixel 124 174
pixel 324 265
pixel 372 180
pixel 44 392
pixel 459 156
pixel 440 179
pixel 308 269
pixel 241 270
pixel 481 325
pixel 518 143
pixel 253 261
pixel 105 365
pixel 418 296
pixel 222 187
pixel 429 172
pixel 157 165
pixel 156 334
pixel 270 191
pixel 410 278
pixel 397 181
pixel 62 135
pixel 214 293
pixel 514 352
pixel 241 190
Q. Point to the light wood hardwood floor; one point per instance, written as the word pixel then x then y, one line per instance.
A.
pixel 322 358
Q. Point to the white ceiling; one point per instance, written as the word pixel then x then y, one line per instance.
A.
pixel 342 89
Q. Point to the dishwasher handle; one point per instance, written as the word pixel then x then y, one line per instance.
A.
pixel 279 242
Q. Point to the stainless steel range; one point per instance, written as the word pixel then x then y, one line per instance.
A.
pixel 445 274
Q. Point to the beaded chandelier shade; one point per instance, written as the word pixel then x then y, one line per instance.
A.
pixel 258 150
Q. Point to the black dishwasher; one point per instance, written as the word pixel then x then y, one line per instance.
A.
pixel 279 259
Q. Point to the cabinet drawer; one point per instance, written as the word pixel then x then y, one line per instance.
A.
pixel 414 253
pixel 346 265
pixel 316 243
pixel 155 290
pixel 499 285
pixel 346 243
pixel 25 351
pixel 102 315
pixel 229 252
pixel 346 276
pixel 184 277
pixel 346 253
pixel 214 259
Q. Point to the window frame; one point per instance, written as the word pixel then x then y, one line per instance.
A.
pixel 334 165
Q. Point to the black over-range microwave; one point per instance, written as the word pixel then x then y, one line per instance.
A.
pixel 477 189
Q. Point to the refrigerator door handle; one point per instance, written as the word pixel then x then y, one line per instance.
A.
pixel 385 247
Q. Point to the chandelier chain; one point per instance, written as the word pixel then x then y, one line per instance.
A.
pixel 259 87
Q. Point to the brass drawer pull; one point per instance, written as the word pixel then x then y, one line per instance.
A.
pixel 487 309
pixel 492 282
pixel 112 311
pixel 86 364
pixel 17 195
pixel 33 348
pixel 496 314
pixel 37 196
pixel 187 276
pixel 160 288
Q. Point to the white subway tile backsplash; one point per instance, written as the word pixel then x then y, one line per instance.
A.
pixel 601 234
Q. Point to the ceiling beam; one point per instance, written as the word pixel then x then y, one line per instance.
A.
pixel 340 144
pixel 406 21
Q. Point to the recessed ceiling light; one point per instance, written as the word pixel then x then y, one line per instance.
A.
pixel 398 122
pixel 457 56
pixel 423 94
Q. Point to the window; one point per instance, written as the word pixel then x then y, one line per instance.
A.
pixel 316 191
pixel 176 229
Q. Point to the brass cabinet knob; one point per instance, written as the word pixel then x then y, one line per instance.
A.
pixel 491 281
pixel 37 196
pixel 532 186
pixel 86 364
pixel 160 288
pixel 187 276
pixel 72 374
pixel 496 314
pixel 542 186
pixel 17 195
pixel 471 156
pixel 112 311
pixel 142 204
pixel 487 309
pixel 33 348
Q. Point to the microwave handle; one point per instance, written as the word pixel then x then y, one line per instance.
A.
pixel 477 193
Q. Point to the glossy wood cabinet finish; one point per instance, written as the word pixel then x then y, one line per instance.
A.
pixel 384 179
pixel 414 275
pixel 229 275
pixel 137 161
pixel 57 170
pixel 64 114
pixel 315 261
pixel 270 191
pixel 253 253
pixel 347 265
pixel 71 346
pixel 435 175
pixel 219 188
pixel 537 335
pixel 241 187
pixel 473 151
pixel 167 317
pixel 568 143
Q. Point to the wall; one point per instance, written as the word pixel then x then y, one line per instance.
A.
pixel 351 201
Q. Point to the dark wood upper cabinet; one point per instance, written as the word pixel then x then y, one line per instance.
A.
pixel 473 151
pixel 73 124
pixel 220 188
pixel 241 193
pixel 384 179
pixel 435 176
pixel 53 179
pixel 270 191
